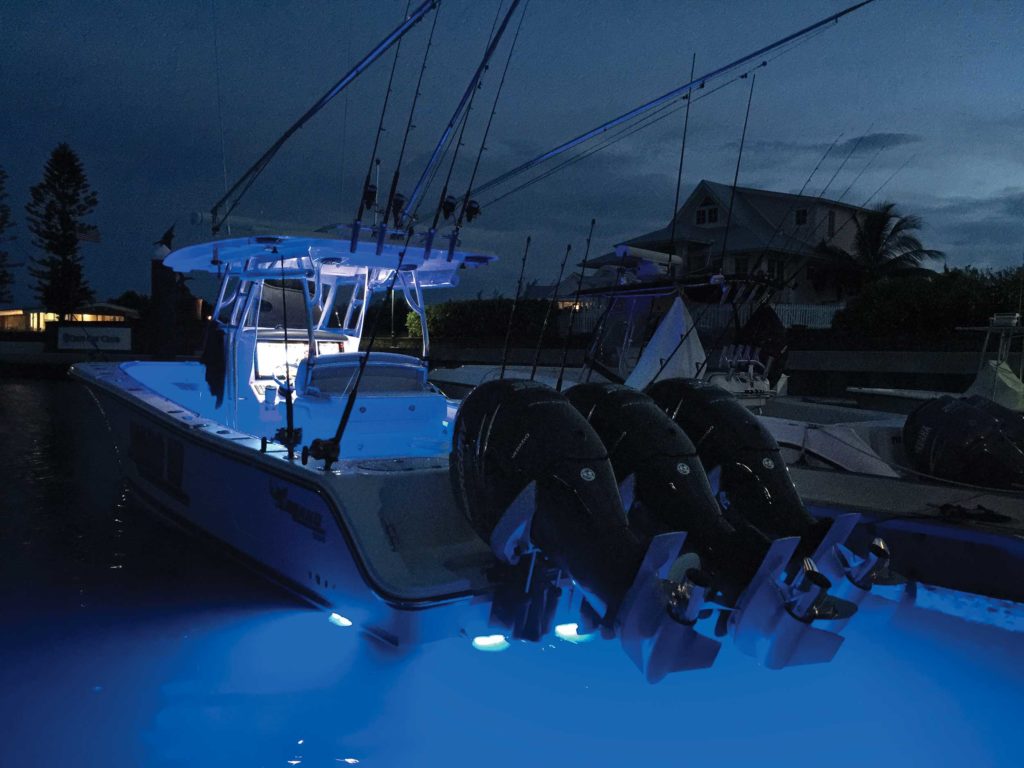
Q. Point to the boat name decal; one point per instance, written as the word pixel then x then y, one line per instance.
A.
pixel 302 515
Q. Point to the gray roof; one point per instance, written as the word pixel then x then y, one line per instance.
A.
pixel 756 215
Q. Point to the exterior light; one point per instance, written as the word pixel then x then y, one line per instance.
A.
pixel 490 643
pixel 570 633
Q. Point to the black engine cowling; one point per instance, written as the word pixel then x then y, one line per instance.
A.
pixel 509 434
pixel 968 440
pixel 671 489
pixel 753 481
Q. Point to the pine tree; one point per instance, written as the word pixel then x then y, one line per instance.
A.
pixel 6 278
pixel 56 213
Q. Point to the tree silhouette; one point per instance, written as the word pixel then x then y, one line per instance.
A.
pixel 6 278
pixel 884 246
pixel 56 213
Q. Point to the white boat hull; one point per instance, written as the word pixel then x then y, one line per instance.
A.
pixel 294 523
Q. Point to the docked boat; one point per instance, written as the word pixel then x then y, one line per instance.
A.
pixel 351 480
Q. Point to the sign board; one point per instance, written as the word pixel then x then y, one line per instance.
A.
pixel 95 337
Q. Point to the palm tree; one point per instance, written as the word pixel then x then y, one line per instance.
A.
pixel 884 246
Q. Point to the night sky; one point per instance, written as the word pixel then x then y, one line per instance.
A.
pixel 132 87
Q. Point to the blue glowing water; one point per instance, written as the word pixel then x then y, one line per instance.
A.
pixel 126 643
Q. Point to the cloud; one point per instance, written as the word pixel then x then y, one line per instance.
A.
pixel 872 142
pixel 985 231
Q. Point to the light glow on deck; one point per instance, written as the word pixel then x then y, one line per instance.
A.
pixel 490 643
pixel 570 633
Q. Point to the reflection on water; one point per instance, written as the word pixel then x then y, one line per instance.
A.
pixel 126 643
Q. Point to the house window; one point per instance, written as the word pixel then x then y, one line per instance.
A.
pixel 831 223
pixel 707 213
pixel 800 216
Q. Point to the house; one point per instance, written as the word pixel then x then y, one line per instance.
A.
pixel 769 233
pixel 35 320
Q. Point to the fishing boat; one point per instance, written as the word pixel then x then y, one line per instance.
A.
pixel 345 475
pixel 383 530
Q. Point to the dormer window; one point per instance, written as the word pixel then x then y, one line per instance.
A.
pixel 707 213
pixel 800 216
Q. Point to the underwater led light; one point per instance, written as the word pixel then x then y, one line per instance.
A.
pixel 570 633
pixel 339 621
pixel 490 643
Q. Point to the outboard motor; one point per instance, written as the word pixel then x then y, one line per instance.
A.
pixel 663 484
pixel 753 485
pixel 531 475
pixel 743 460
pixel 968 440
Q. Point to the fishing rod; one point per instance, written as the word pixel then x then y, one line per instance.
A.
pixel 413 201
pixel 575 306
pixel 329 449
pixel 395 201
pixel 725 238
pixel 669 96
pixel 736 175
pixel 471 209
pixel 446 203
pixel 547 312
pixel 368 199
pixel 791 239
pixel 802 250
pixel 590 355
pixel 784 283
pixel 512 315
pixel 230 199
pixel 679 175
pixel 792 205
pixel 289 397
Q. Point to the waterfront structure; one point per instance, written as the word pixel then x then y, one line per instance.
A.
pixel 34 319
pixel 772 234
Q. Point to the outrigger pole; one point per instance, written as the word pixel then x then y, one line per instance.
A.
pixel 671 95
pixel 230 199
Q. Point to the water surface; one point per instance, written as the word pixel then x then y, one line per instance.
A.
pixel 125 642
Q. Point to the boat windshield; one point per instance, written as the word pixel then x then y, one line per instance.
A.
pixel 338 379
